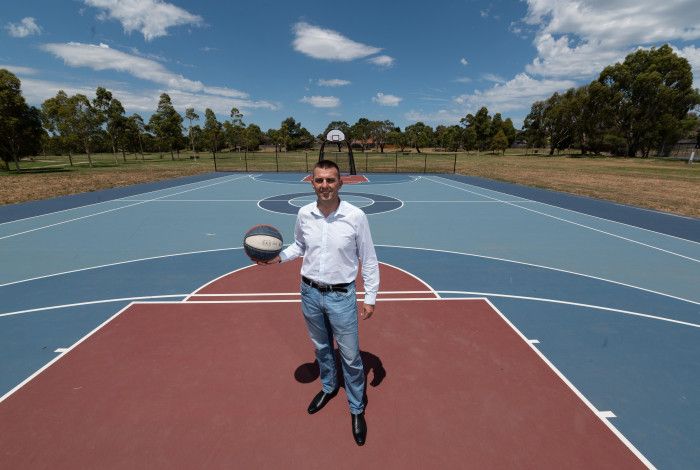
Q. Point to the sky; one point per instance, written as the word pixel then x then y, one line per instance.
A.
pixel 431 61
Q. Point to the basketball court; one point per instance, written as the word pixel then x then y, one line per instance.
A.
pixel 515 328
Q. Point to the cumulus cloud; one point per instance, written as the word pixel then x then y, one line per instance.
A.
pixel 26 27
pixel 143 101
pixel 578 39
pixel 492 77
pixel 102 57
pixel 321 101
pixel 152 18
pixel 382 61
pixel 183 91
pixel 18 69
pixel 463 61
pixel 334 82
pixel 326 44
pixel 386 100
pixel 520 92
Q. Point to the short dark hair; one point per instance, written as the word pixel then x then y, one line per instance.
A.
pixel 326 164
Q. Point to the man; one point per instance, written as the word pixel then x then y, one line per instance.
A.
pixel 333 236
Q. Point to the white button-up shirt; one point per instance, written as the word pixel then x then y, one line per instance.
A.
pixel 333 246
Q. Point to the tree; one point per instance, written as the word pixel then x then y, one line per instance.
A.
pixel 499 141
pixel 533 126
pixel 652 94
pixel 379 132
pixel 166 123
pixel 20 124
pixel 213 131
pixel 116 125
pixel 191 115
pixel 360 131
pixel 397 138
pixel 481 123
pixel 234 129
pixel 419 135
pixel 135 129
pixel 293 135
pixel 252 137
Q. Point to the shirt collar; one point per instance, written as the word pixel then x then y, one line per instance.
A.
pixel 339 212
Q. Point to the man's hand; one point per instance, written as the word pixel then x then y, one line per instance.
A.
pixel 274 260
pixel 367 311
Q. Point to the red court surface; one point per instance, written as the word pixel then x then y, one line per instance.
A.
pixel 191 385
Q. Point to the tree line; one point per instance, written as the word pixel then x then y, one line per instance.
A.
pixel 635 107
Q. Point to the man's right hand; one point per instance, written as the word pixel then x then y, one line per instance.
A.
pixel 274 260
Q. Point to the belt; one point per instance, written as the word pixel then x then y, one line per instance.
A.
pixel 321 287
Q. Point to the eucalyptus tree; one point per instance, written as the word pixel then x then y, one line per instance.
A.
pixel 653 93
pixel 20 124
pixel 213 131
pixel 135 129
pixel 57 119
pixel 379 132
pixel 253 137
pixel 234 129
pixel 361 131
pixel 191 115
pixel 166 123
pixel 419 135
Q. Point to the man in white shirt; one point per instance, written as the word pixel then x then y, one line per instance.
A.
pixel 333 236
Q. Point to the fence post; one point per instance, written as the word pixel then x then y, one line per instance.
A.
pixel 396 162
pixel 366 170
pixel 215 161
pixel 455 167
pixel 277 162
pixel 306 155
pixel 245 156
pixel 425 164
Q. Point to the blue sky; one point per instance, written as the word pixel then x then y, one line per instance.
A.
pixel 318 61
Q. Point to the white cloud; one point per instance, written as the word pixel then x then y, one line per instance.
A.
pixel 26 27
pixel 463 61
pixel 492 77
pixel 578 39
pixel 152 18
pixel 441 116
pixel 334 82
pixel 382 61
pixel 692 54
pixel 321 101
pixel 18 69
pixel 520 92
pixel 386 100
pixel 327 44
pixel 144 101
pixel 103 57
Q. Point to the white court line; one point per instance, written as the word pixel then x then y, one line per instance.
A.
pixel 533 341
pixel 606 414
pixel 359 299
pixel 572 222
pixel 601 218
pixel 573 388
pixel 48 364
pixel 121 199
pixel 115 209
pixel 387 246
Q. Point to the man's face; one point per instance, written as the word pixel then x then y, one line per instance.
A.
pixel 326 183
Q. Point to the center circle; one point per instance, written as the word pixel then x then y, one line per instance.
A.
pixel 358 201
pixel 369 203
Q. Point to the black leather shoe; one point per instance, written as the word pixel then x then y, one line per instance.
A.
pixel 359 428
pixel 320 401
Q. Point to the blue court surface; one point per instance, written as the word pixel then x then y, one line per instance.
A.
pixel 609 294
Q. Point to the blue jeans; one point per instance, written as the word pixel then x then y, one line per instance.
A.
pixel 331 315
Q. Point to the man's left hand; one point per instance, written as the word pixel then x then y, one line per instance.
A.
pixel 367 311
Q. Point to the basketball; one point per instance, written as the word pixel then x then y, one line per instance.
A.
pixel 262 242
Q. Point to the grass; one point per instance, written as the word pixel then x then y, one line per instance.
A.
pixel 666 185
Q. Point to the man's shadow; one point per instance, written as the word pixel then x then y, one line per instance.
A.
pixel 309 371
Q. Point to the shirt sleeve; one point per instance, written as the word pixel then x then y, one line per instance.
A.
pixel 370 266
pixel 297 248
